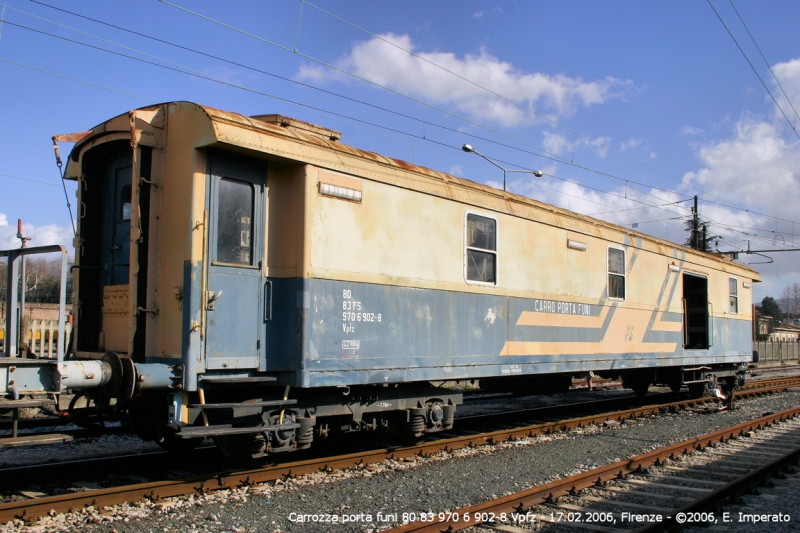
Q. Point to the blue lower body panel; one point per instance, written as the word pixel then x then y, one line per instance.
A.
pixel 344 333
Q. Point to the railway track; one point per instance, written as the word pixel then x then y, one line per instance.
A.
pixel 205 482
pixel 28 424
pixel 154 465
pixel 662 490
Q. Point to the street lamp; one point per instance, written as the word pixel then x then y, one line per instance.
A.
pixel 469 149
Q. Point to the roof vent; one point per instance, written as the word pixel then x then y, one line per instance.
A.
pixel 300 126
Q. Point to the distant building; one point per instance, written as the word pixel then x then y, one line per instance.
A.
pixel 788 332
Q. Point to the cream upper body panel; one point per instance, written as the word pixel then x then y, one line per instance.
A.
pixel 362 241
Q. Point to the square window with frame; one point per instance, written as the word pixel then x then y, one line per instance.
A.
pixel 481 249
pixel 616 273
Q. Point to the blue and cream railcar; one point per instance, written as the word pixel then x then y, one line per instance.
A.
pixel 256 280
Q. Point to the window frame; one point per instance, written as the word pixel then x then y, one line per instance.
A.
pixel 214 254
pixel 624 274
pixel 733 295
pixel 496 251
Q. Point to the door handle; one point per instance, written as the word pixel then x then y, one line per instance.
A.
pixel 212 297
pixel 268 301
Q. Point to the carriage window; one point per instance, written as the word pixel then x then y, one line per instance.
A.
pixel 481 252
pixel 616 273
pixel 125 201
pixel 733 291
pixel 235 222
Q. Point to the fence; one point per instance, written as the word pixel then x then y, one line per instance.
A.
pixel 42 337
pixel 777 352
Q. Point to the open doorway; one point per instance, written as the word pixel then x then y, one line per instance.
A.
pixel 695 312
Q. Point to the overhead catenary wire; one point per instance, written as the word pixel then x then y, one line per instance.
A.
pixel 636 208
pixel 411 98
pixel 179 68
pixel 794 129
pixel 488 90
pixel 76 79
pixel 329 113
pixel 378 133
pixel 33 181
pixel 544 153
pixel 764 58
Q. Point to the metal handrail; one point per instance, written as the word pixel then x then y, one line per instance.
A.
pixel 710 325
pixel 12 296
pixel 685 324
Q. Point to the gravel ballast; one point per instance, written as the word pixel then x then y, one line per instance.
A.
pixel 443 482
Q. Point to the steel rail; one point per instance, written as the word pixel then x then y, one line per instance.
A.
pixel 12 478
pixel 202 483
pixel 517 502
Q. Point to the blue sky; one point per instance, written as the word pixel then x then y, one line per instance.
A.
pixel 634 105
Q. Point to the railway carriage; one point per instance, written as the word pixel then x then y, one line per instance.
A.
pixel 255 280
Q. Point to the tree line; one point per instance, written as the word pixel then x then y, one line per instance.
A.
pixel 43 281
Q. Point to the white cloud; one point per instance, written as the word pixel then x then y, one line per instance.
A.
pixel 600 145
pixel 653 155
pixel 789 75
pixel 757 167
pixel 554 143
pixel 456 170
pixel 478 14
pixel 691 130
pixel 40 235
pixel 386 65
pixel 559 145
pixel 633 143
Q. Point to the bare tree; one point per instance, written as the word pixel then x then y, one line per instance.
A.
pixel 790 298
pixel 43 281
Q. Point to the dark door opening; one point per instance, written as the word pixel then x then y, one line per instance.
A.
pixel 695 312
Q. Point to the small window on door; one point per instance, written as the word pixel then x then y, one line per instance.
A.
pixel 616 273
pixel 235 222
pixel 733 293
pixel 125 203
pixel 481 252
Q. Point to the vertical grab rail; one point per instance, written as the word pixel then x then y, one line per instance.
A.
pixel 710 324
pixel 685 323
pixel 268 301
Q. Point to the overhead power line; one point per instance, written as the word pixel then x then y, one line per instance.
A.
pixel 189 71
pixel 75 79
pixel 403 95
pixel 320 110
pixel 754 69
pixel 764 58
pixel 544 153
pixel 30 180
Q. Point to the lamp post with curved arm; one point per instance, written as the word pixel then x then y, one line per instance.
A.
pixel 469 149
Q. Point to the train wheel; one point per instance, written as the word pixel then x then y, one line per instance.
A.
pixel 179 446
pixel 638 386
pixel 410 430
pixel 696 390
pixel 249 449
